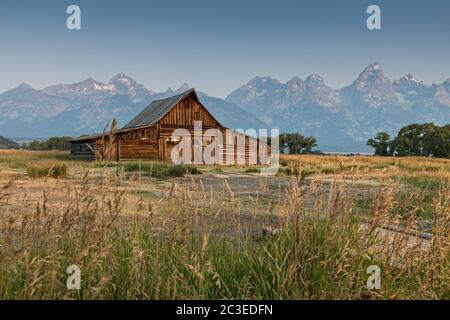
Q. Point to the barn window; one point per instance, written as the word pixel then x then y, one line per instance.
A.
pixel 197 115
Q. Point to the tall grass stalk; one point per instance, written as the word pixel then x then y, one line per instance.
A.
pixel 195 244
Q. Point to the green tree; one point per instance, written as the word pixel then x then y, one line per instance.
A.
pixel 411 140
pixel 56 143
pixel 34 145
pixel 427 140
pixel 295 143
pixel 381 144
pixel 437 142
pixel 53 143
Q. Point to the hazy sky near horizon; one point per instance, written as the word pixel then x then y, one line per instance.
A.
pixel 218 45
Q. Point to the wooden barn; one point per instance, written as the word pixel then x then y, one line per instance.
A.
pixel 148 136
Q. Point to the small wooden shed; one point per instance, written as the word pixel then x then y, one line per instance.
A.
pixel 148 135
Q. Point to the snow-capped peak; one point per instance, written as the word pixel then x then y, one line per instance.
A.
pixel 411 78
pixel 122 78
pixel 374 66
pixel 314 78
pixel 258 80
pixel 409 85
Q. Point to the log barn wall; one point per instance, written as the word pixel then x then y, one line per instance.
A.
pixel 139 144
pixel 153 141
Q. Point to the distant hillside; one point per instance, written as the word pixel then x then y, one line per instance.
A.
pixel 86 107
pixel 341 120
pixel 5 143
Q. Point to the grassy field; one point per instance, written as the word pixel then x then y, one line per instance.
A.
pixel 146 230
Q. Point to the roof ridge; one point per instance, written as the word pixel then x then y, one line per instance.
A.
pixel 156 110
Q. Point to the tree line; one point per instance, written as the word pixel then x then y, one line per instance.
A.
pixel 296 143
pixel 426 140
pixel 53 143
pixel 292 143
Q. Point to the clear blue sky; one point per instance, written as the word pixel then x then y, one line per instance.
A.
pixel 217 45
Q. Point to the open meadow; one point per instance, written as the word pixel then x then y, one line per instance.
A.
pixel 148 230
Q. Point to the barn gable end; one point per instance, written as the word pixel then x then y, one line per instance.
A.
pixel 186 111
pixel 148 135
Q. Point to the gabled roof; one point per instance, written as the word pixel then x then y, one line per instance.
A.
pixel 158 109
pixel 150 115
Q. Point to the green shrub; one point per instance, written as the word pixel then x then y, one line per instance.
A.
pixel 160 170
pixel 430 184
pixel 47 170
pixel 289 171
pixel 105 164
pixel 329 170
pixel 253 170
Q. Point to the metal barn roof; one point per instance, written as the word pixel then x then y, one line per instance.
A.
pixel 156 110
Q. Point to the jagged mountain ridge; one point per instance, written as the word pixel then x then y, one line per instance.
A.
pixel 6 143
pixel 342 119
pixel 88 106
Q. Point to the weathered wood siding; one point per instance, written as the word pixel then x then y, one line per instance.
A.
pixel 231 152
pixel 138 150
pixel 154 142
pixel 106 151
pixel 185 112
pixel 138 144
pixel 242 149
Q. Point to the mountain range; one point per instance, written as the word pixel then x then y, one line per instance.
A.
pixel 341 120
pixel 88 106
pixel 6 143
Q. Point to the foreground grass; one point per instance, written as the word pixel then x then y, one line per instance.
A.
pixel 364 164
pixel 417 179
pixel 195 244
pixel 19 159
pixel 56 164
pixel 159 169
pixel 38 170
pixel 172 250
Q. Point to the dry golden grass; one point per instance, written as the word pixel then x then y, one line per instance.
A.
pixel 369 164
pixel 226 234
pixel 20 158
pixel 27 154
